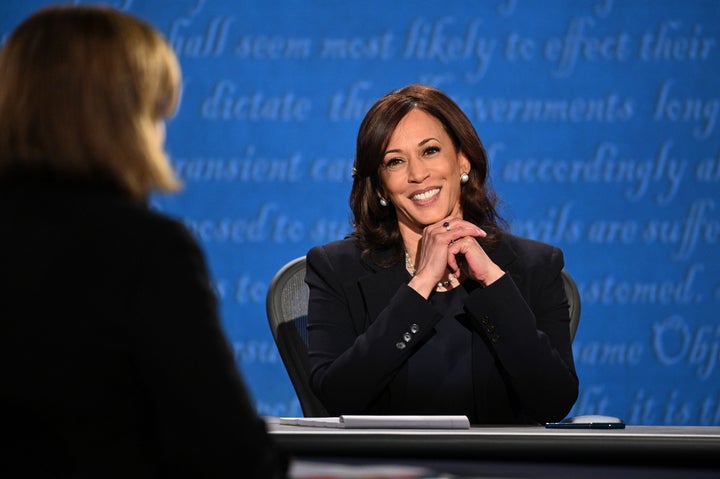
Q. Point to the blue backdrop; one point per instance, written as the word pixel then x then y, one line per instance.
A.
pixel 600 118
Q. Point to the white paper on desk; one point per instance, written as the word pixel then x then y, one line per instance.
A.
pixel 381 422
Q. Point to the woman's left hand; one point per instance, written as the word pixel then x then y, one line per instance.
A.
pixel 476 265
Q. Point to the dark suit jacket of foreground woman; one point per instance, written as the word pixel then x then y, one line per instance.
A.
pixel 360 315
pixel 112 359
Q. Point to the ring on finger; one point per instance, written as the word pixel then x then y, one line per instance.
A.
pixel 447 226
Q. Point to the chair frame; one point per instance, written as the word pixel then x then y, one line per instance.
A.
pixel 288 328
pixel 573 297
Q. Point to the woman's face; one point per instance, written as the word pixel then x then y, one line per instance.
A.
pixel 421 172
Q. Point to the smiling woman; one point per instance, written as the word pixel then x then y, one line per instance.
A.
pixel 431 306
pixel 421 176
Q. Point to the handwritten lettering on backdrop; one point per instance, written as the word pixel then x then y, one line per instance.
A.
pixel 600 119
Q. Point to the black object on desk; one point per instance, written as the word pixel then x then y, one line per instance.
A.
pixel 591 421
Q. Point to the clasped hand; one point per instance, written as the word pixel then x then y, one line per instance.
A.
pixel 450 246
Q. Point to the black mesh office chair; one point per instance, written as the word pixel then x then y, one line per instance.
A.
pixel 573 296
pixel 287 301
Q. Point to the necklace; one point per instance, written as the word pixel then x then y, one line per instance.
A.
pixel 442 284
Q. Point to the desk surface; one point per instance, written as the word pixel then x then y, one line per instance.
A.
pixel 688 445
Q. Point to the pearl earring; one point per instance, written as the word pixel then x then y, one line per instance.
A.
pixel 383 202
pixel 464 178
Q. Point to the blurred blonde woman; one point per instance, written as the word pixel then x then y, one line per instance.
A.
pixel 113 360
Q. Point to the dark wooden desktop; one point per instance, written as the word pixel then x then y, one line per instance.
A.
pixel 694 449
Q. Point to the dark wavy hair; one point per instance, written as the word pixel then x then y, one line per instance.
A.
pixel 376 226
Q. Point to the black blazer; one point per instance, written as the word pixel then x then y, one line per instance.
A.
pixel 523 369
pixel 112 358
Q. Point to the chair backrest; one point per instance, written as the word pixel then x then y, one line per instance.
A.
pixel 287 303
pixel 573 297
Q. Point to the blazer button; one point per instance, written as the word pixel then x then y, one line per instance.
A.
pixel 407 337
pixel 414 328
pixel 495 338
pixel 400 345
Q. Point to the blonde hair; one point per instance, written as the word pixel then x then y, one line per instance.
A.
pixel 81 93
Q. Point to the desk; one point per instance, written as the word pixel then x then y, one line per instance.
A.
pixel 638 446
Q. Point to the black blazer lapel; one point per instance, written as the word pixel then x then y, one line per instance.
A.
pixel 504 256
pixel 379 287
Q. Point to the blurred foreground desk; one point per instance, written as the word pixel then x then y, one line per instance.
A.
pixel 633 450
